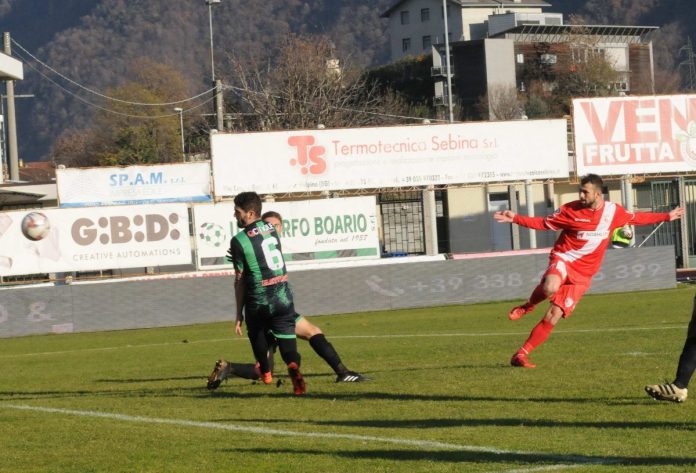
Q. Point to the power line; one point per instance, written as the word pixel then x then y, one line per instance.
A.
pixel 99 107
pixel 87 89
pixel 166 104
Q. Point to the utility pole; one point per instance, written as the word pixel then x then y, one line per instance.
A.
pixel 3 135
pixel 447 61
pixel 689 63
pixel 13 159
pixel 219 103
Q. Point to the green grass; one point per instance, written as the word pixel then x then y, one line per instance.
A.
pixel 441 381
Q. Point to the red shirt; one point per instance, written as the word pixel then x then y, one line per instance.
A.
pixel 586 232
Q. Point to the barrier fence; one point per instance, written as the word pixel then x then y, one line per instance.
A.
pixel 406 282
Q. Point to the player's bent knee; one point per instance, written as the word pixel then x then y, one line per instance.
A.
pixel 554 314
pixel 306 330
pixel 551 287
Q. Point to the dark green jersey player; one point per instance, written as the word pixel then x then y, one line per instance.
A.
pixel 261 289
pixel 257 255
pixel 303 329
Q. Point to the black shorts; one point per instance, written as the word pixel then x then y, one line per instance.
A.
pixel 268 319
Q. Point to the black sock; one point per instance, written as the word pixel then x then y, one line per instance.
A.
pixel 244 370
pixel 687 360
pixel 288 350
pixel 687 363
pixel 325 350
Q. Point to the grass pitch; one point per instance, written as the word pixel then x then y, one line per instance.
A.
pixel 443 397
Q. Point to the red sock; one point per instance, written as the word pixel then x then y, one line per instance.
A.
pixel 539 334
pixel 538 295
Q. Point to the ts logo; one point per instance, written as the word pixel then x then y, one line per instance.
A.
pixel 310 158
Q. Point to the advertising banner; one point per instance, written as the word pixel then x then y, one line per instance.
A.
pixel 400 156
pixel 312 230
pixel 65 240
pixel 186 182
pixel 635 135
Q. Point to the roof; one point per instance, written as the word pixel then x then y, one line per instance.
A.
pixel 479 3
pixel 39 171
pixel 624 31
pixel 14 194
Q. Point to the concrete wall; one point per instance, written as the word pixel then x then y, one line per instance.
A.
pixel 471 223
pixel 189 300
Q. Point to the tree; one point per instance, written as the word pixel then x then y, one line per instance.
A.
pixel 559 72
pixel 127 132
pixel 307 85
pixel 501 103
pixel 584 72
pixel 73 148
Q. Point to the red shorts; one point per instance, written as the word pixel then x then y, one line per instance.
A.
pixel 573 285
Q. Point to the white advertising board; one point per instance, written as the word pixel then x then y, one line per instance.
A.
pixel 186 182
pixel 403 156
pixel 63 240
pixel 312 230
pixel 635 135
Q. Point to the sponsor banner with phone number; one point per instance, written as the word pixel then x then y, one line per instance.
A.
pixel 399 156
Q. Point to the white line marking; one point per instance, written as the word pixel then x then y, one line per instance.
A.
pixel 410 335
pixel 548 468
pixel 424 444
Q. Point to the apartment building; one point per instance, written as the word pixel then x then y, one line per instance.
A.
pixel 416 25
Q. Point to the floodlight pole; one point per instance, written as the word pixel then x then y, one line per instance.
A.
pixel 447 61
pixel 210 23
pixel 219 105
pixel 13 159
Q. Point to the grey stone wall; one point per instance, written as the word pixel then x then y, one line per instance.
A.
pixel 187 300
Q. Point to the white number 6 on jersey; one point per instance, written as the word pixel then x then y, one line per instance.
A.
pixel 274 258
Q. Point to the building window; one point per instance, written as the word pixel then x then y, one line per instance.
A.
pixel 548 59
pixel 427 42
pixel 405 20
pixel 621 86
pixel 520 58
pixel 405 44
pixel 425 14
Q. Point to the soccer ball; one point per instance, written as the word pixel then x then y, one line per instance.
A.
pixel 35 226
pixel 627 232
pixel 212 234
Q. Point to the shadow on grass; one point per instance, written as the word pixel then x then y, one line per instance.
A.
pixel 448 456
pixel 449 422
pixel 150 380
pixel 225 391
pixel 240 389
pixel 130 393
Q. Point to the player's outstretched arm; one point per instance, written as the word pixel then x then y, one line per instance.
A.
pixel 676 213
pixel 504 216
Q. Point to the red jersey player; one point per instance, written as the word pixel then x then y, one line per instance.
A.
pixel 586 227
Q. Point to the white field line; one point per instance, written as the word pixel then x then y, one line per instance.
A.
pixel 413 335
pixel 422 444
pixel 549 468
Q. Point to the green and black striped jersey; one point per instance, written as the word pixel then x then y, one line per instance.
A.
pixel 257 253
